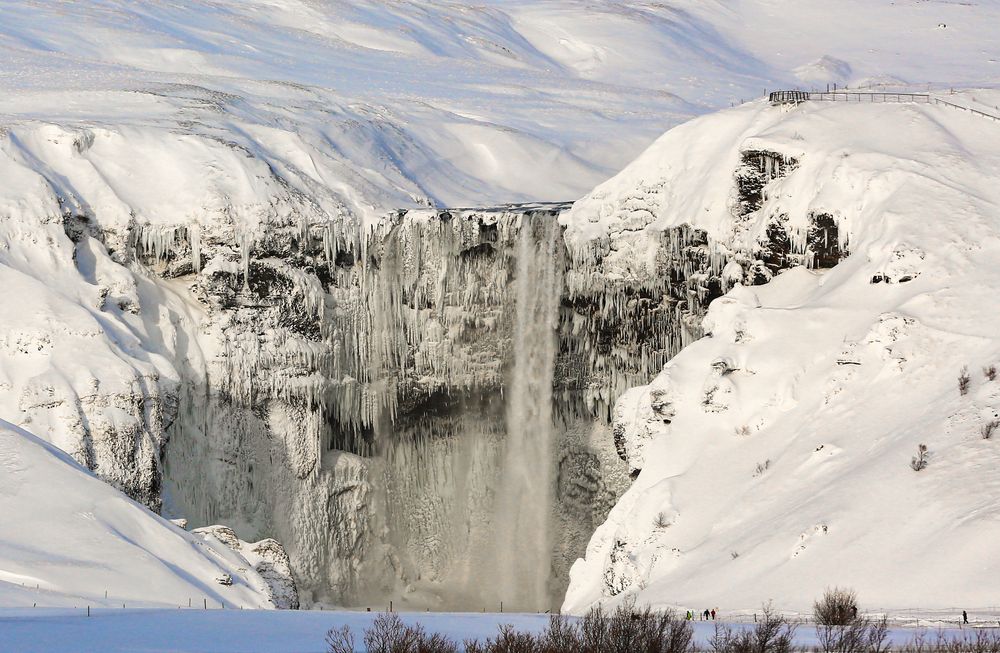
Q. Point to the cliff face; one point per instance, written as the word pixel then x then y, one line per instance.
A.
pixel 400 405
pixel 780 453
pixel 367 398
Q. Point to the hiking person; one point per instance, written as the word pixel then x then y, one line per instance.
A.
pixel 706 614
pixel 965 617
pixel 713 614
pixel 688 617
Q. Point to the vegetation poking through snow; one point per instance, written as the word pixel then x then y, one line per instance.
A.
pixel 772 634
pixel 859 635
pixel 919 461
pixel 987 429
pixel 837 607
pixel 963 381
pixel 625 629
pixel 990 372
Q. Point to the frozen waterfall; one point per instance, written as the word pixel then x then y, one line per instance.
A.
pixel 523 513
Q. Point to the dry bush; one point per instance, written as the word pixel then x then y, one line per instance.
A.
pixel 990 372
pixel 987 429
pixel 919 461
pixel 837 607
pixel 388 634
pixel 340 640
pixel 963 381
pixel 626 630
pixel 510 641
pixel 772 634
pixel 860 635
pixel 562 636
pixel 979 641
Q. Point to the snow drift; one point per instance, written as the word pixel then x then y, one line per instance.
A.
pixel 72 540
pixel 773 456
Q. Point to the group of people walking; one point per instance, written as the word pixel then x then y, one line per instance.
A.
pixel 707 615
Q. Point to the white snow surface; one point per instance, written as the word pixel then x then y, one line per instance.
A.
pixel 69 539
pixel 785 466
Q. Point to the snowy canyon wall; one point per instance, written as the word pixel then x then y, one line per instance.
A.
pixel 402 405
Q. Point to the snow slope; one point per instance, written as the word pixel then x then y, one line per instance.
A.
pixel 775 452
pixel 69 539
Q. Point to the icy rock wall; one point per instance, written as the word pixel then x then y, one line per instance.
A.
pixel 357 406
pixel 78 365
pixel 372 396
pixel 352 393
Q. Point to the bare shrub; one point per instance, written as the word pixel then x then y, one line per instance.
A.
pixel 340 640
pixel 436 643
pixel 990 372
pixel 772 634
pixel 963 381
pixel 987 429
pixel 626 630
pixel 978 641
pixel 562 636
pixel 860 635
pixel 743 431
pixel 762 467
pixel 919 461
pixel 662 520
pixel 511 641
pixel 388 634
pixel 837 607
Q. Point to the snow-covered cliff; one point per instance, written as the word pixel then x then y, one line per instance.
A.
pixel 774 455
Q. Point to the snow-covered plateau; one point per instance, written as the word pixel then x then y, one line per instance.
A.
pixel 236 293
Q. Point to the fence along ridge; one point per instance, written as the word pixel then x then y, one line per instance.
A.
pixel 794 97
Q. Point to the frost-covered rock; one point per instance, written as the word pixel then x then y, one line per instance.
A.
pixel 267 558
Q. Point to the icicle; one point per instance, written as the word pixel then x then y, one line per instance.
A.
pixel 245 244
pixel 194 235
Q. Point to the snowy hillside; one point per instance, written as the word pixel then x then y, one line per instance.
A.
pixel 774 455
pixel 71 540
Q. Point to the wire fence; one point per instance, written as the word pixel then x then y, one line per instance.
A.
pixel 948 617
pixel 872 97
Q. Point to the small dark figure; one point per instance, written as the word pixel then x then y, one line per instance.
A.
pixel 965 617
pixel 854 611
pixel 713 615
pixel 706 614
